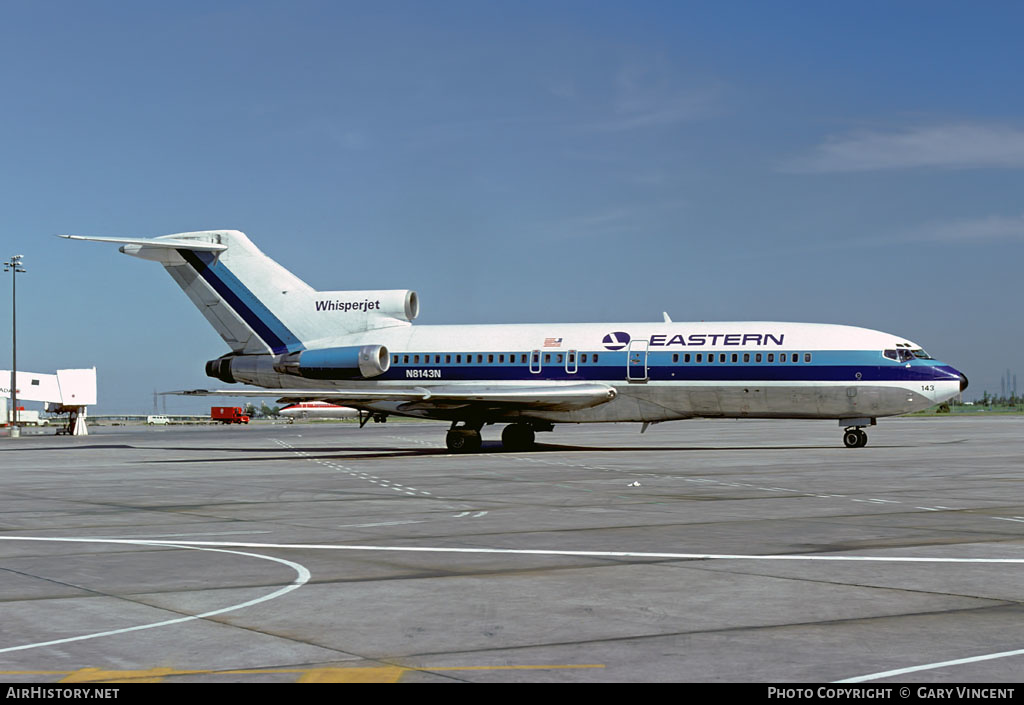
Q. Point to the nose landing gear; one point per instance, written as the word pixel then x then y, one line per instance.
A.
pixel 855 438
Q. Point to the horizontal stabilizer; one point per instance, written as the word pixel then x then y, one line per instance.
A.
pixel 166 243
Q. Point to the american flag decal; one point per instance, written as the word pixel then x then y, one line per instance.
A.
pixel 552 342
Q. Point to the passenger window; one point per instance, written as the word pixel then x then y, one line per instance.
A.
pixel 395 361
pixel 405 359
pixel 721 357
pixel 700 357
pixel 771 357
pixel 595 357
pixel 490 358
pixel 807 357
pixel 686 357
pixel 735 357
pixel 782 357
pixel 501 359
pixel 675 357
pixel 447 359
pixel 479 359
pixel 547 357
pixel 572 357
pixel 746 357
pixel 757 357
pixel 458 359
pixel 583 357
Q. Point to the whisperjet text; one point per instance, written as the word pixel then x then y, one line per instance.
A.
pixel 348 305
pixel 698 339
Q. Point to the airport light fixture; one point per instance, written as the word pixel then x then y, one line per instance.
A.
pixel 15 267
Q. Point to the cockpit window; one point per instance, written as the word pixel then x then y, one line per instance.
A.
pixel 904 355
pixel 921 354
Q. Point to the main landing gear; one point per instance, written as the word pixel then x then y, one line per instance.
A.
pixel 465 438
pixel 518 436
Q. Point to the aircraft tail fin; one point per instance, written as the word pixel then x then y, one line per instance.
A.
pixel 256 305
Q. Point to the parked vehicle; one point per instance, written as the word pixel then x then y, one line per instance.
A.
pixel 228 414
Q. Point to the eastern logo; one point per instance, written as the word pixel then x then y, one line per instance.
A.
pixel 616 341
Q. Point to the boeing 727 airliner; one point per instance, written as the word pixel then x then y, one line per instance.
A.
pixel 360 349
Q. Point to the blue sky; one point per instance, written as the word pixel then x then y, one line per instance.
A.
pixel 858 163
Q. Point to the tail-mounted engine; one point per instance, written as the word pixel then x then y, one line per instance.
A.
pixel 351 362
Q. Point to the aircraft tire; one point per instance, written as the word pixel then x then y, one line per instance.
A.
pixel 463 441
pixel 855 438
pixel 518 437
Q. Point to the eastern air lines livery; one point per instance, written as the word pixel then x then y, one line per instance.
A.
pixel 360 349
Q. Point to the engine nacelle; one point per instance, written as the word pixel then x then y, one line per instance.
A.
pixel 352 362
pixel 367 306
pixel 247 369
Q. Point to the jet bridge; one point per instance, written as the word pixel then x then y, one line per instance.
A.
pixel 67 392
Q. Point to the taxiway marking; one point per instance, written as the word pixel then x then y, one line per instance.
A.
pixel 302 577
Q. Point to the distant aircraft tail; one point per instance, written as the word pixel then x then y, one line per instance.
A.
pixel 257 305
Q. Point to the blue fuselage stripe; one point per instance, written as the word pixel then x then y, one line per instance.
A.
pixel 613 368
pixel 256 315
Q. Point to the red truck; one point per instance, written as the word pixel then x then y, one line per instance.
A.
pixel 228 414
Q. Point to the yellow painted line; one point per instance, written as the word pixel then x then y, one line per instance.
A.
pixel 507 668
pixel 334 674
pixel 99 675
pixel 390 674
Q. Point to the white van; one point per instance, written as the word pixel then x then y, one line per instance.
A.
pixel 157 420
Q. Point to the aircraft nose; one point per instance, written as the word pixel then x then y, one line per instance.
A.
pixel 963 381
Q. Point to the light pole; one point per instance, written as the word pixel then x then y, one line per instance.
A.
pixel 14 266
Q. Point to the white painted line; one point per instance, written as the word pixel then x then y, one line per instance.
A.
pixel 931 666
pixel 302 578
pixel 532 551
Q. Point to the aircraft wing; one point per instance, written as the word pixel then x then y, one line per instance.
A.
pixel 546 397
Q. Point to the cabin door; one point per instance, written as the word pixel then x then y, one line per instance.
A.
pixel 636 361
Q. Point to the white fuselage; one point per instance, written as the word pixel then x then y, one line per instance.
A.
pixel 661 371
pixel 318 410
